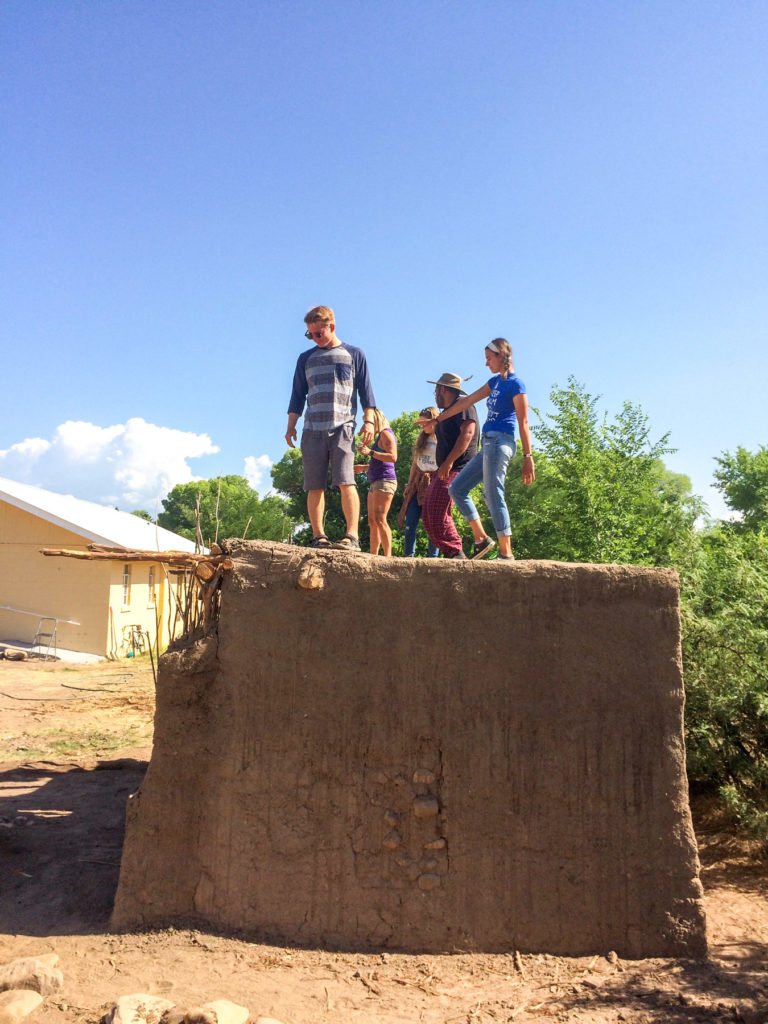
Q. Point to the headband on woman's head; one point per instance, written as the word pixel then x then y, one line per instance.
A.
pixel 493 347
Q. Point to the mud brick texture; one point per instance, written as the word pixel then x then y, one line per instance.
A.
pixel 423 755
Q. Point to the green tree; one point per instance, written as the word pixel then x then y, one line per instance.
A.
pixel 724 576
pixel 724 582
pixel 142 514
pixel 602 493
pixel 288 480
pixel 743 480
pixel 229 507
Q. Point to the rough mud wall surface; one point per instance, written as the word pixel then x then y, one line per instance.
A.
pixel 424 755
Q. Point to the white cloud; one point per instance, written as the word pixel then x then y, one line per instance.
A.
pixel 85 442
pixel 131 465
pixel 257 467
pixel 32 448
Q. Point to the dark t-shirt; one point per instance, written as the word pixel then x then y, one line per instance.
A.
pixel 448 430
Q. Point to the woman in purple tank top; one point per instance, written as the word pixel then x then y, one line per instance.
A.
pixel 382 479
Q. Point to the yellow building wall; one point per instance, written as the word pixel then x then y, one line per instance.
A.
pixel 88 592
pixel 141 612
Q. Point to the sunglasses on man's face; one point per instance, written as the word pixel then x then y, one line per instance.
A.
pixel 313 334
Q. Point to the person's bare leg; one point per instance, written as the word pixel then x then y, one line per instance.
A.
pixel 350 506
pixel 505 546
pixel 385 531
pixel 316 511
pixel 373 528
pixel 378 507
pixel 476 526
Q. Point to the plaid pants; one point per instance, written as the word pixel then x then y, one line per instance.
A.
pixel 436 515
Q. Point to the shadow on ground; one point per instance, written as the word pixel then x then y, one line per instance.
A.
pixel 677 992
pixel 61 837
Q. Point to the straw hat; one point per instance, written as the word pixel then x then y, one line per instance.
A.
pixel 449 380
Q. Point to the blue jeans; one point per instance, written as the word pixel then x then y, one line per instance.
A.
pixel 412 517
pixel 490 467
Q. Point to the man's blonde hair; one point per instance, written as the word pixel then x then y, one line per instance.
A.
pixel 320 315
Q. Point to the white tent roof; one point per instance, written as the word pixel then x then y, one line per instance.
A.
pixel 98 524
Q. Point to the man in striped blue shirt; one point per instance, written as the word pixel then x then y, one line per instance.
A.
pixel 329 379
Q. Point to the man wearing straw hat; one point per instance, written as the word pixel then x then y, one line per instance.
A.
pixel 456 445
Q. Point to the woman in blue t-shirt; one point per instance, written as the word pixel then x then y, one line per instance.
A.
pixel 507 405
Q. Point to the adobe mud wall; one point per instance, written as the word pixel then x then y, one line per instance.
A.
pixel 425 755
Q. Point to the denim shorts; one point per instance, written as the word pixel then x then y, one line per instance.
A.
pixel 323 448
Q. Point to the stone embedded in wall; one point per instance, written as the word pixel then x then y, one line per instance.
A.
pixel 392 840
pixel 448 786
pixel 426 807
pixel 427 882
pixel 435 844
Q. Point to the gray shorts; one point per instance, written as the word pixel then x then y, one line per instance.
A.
pixel 388 486
pixel 321 448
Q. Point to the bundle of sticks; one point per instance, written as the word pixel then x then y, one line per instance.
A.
pixel 206 563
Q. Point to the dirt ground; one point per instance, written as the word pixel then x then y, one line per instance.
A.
pixel 74 742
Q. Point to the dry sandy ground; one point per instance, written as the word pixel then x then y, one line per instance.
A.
pixel 74 743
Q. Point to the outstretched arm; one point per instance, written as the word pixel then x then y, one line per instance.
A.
pixel 464 403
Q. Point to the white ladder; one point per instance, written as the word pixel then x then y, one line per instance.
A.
pixel 45 637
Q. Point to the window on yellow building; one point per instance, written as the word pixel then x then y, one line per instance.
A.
pixel 126 585
pixel 152 596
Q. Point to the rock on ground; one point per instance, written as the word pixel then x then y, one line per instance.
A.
pixel 17 1003
pixel 228 1012
pixel 39 974
pixel 141 1008
pixel 138 1008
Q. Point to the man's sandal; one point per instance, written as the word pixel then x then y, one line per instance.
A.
pixel 320 542
pixel 348 543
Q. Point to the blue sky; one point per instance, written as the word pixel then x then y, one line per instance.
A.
pixel 181 181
